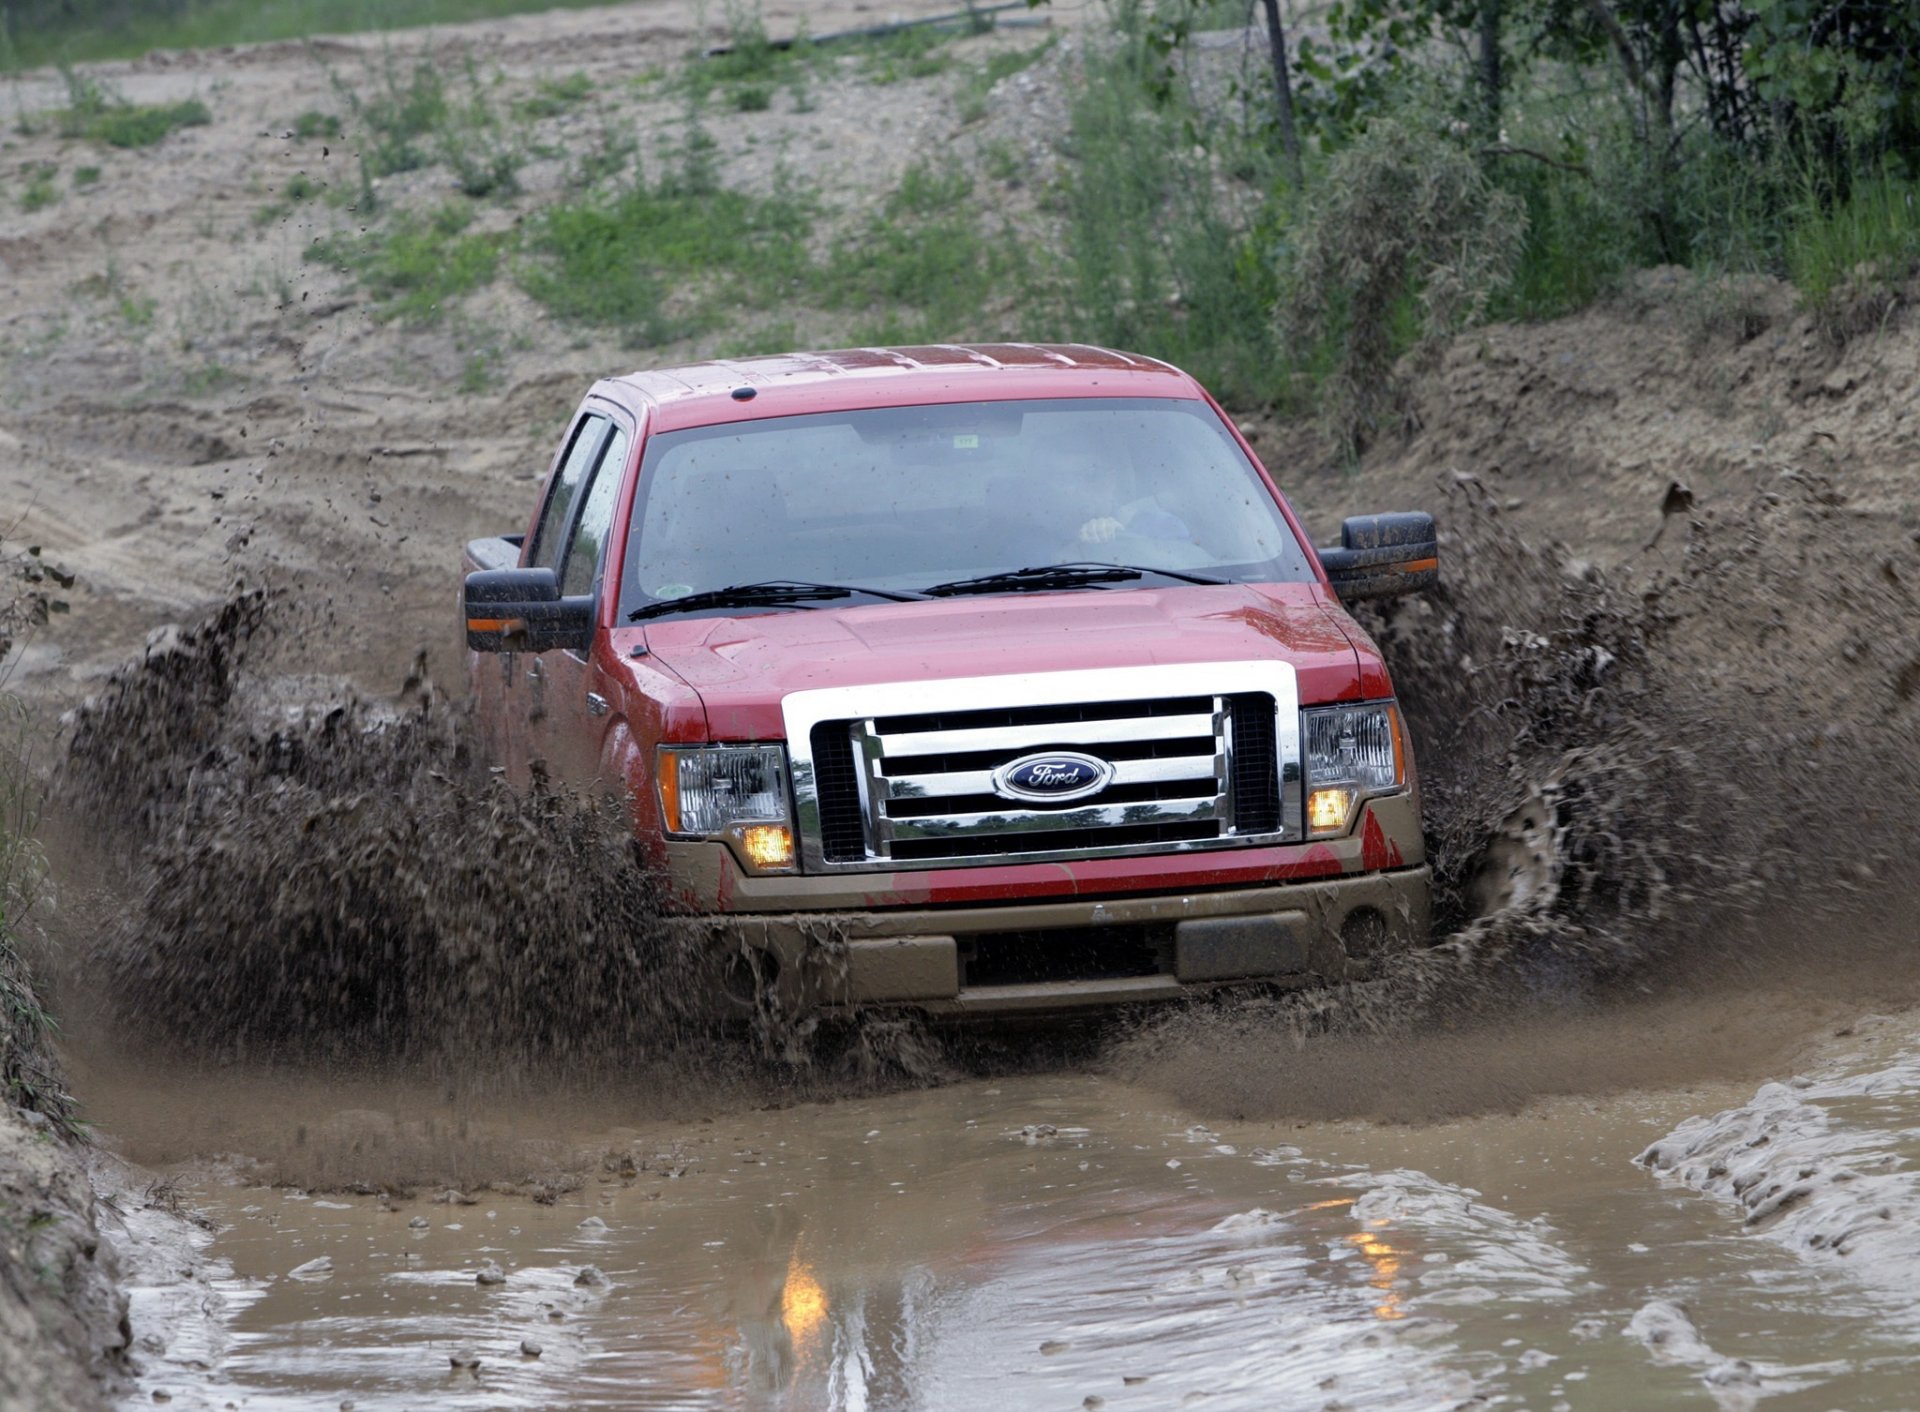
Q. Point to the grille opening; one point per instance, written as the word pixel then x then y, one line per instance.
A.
pixel 975 845
pixel 993 803
pixel 1065 954
pixel 843 833
pixel 1256 764
pixel 1064 714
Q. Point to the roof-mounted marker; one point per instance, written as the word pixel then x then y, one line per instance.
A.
pixel 744 394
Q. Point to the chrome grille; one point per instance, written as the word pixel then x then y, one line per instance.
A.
pixel 920 786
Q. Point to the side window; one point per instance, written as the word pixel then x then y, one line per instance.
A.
pixel 596 518
pixel 549 536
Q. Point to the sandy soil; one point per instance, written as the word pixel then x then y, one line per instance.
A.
pixel 253 419
pixel 259 423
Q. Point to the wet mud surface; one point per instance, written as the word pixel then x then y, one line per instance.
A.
pixel 1039 1240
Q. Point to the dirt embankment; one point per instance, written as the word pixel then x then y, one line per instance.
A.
pixel 64 1333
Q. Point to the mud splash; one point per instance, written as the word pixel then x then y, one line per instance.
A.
pixel 1633 794
pixel 341 881
pixel 1616 791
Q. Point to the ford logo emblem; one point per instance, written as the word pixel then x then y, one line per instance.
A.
pixel 1053 777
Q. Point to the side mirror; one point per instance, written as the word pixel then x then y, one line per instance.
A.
pixel 1381 556
pixel 521 610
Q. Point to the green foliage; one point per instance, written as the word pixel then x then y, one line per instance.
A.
pixel 313 123
pixel 1850 258
pixel 925 268
pixel 1405 238
pixel 1841 77
pixel 403 109
pixel 1164 252
pixel 85 176
pixel 661 260
pixel 301 187
pixel 35 32
pixel 753 98
pixel 94 111
pixel 920 52
pixel 753 67
pixel 553 96
pixel 1002 65
pixel 40 191
pixel 484 157
pixel 417 268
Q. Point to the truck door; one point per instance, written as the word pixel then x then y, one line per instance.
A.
pixel 576 705
pixel 529 732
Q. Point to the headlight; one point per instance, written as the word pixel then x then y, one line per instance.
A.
pixel 733 792
pixel 1352 754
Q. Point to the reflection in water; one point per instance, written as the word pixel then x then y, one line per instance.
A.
pixel 803 1305
pixel 926 1251
pixel 1386 1267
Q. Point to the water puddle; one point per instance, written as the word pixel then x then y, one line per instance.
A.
pixel 1039 1241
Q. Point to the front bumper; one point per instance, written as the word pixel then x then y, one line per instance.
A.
pixel 1032 941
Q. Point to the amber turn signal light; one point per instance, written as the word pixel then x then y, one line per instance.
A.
pixel 768 845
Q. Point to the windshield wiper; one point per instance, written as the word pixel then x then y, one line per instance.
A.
pixel 1180 574
pixel 769 593
pixel 1039 577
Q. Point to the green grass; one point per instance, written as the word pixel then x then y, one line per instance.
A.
pixel 981 81
pixel 86 176
pixel 313 123
pixel 95 112
pixel 404 107
pixel 1152 258
pixel 753 69
pixel 663 260
pixel 1837 253
pixel 79 31
pixel 416 268
pixel 39 192
pixel 301 187
pixel 553 96
pixel 906 54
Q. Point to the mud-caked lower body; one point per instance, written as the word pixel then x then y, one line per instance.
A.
pixel 1056 957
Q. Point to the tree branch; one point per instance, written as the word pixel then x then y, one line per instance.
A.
pixel 1630 61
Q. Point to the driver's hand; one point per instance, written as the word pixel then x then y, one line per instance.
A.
pixel 1100 530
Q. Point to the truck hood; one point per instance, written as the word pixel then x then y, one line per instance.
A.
pixel 743 666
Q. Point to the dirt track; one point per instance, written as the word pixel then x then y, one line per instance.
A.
pixel 1212 1215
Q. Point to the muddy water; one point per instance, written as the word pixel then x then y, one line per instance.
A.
pixel 1063 1240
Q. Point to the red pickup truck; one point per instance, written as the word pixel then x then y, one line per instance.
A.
pixel 989 680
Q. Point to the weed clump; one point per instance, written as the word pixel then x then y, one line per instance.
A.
pixel 635 259
pixel 96 112
pixel 1403 243
pixel 418 266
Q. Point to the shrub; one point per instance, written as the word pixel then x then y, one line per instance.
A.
pixel 1403 243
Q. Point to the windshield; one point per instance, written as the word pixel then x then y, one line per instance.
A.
pixel 907 498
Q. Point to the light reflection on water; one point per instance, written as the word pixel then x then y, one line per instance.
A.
pixel 919 1251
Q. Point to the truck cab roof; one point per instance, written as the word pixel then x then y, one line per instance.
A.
pixel 793 384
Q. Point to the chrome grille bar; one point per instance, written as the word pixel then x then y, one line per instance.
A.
pixel 963 782
pixel 1040 737
pixel 1096 816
